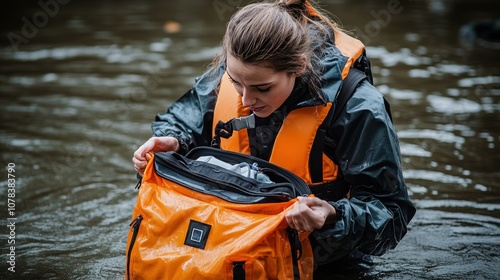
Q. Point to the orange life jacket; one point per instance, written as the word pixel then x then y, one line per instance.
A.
pixel 292 147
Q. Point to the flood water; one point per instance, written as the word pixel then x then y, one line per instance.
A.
pixel 80 87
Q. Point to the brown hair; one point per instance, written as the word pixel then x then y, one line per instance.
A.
pixel 276 34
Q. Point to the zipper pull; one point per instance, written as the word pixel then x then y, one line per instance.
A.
pixel 136 223
pixel 138 185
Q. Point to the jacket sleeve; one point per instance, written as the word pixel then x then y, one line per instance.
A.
pixel 374 217
pixel 189 119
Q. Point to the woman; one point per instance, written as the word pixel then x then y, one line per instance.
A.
pixel 281 66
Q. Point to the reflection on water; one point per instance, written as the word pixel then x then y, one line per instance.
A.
pixel 78 98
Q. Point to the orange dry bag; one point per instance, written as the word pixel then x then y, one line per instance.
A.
pixel 215 214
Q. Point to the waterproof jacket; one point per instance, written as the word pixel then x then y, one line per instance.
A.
pixel 370 195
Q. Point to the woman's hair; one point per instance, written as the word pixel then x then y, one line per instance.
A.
pixel 277 35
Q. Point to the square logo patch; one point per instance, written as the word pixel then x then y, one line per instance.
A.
pixel 197 234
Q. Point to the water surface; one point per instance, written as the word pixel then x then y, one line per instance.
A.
pixel 78 97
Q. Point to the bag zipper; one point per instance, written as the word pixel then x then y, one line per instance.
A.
pixel 296 248
pixel 187 172
pixel 232 157
pixel 135 224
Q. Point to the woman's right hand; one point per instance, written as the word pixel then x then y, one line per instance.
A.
pixel 154 144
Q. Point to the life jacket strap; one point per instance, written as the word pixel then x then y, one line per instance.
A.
pixel 225 129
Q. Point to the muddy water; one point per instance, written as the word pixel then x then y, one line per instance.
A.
pixel 80 87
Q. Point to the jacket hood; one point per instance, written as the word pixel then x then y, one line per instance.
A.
pixel 332 62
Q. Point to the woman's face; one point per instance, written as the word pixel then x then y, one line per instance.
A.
pixel 262 89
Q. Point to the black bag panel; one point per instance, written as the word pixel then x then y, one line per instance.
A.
pixel 274 172
pixel 215 180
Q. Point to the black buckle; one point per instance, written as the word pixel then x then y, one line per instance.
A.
pixel 224 130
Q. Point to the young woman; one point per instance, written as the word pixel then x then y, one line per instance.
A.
pixel 282 65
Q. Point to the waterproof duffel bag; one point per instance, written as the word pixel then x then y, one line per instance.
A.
pixel 214 214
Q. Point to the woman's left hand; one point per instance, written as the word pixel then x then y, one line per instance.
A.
pixel 309 213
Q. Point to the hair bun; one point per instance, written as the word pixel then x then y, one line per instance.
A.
pixel 296 8
pixel 293 2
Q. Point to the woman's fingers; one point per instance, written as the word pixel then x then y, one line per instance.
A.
pixel 308 213
pixel 153 144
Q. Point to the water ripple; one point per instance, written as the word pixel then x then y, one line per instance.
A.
pixel 427 204
pixel 403 56
pixel 109 53
pixel 449 105
pixel 435 176
pixel 441 136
